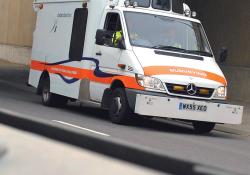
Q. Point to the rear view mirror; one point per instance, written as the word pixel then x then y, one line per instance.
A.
pixel 101 36
pixel 223 54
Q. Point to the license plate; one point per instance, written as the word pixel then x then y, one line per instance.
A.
pixel 192 107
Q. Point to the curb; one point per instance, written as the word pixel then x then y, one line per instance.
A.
pixel 118 149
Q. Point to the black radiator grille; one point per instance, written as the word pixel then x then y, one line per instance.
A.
pixel 198 93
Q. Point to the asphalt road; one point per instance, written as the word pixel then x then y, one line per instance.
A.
pixel 226 153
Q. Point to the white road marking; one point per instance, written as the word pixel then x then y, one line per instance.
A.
pixel 78 127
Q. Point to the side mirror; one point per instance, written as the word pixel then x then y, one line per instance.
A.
pixel 101 36
pixel 223 54
pixel 121 44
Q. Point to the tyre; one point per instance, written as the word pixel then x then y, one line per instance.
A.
pixel 50 99
pixel 119 111
pixel 203 127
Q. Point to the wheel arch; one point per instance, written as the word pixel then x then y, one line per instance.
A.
pixel 117 84
pixel 44 75
pixel 108 92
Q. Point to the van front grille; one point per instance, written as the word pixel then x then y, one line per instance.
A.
pixel 182 90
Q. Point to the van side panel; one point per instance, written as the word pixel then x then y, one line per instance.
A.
pixel 51 46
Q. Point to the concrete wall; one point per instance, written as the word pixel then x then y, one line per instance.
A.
pixel 17 24
pixel 227 24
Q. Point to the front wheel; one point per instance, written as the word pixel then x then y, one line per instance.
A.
pixel 119 110
pixel 203 127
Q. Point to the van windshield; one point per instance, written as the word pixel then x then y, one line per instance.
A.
pixel 166 33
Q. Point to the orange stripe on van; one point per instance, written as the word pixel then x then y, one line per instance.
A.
pixel 37 65
pixel 65 71
pixel 72 72
pixel 161 70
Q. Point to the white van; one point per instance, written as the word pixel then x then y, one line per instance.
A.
pixel 161 64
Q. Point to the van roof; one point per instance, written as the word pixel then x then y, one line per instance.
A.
pixel 159 12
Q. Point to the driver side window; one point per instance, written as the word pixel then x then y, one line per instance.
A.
pixel 114 28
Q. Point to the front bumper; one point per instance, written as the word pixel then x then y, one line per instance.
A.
pixel 158 105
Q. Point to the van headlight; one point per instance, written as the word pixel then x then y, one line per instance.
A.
pixel 150 82
pixel 221 93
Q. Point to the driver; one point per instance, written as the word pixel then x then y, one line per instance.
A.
pixel 136 35
pixel 117 37
pixel 170 37
pixel 133 34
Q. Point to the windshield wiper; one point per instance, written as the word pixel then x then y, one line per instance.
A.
pixel 202 53
pixel 171 48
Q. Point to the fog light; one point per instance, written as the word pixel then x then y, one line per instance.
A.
pixel 204 91
pixel 179 88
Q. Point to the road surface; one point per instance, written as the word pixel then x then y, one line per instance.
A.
pixel 227 153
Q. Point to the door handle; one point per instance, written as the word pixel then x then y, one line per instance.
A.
pixel 99 53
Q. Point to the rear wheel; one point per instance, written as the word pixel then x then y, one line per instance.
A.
pixel 119 110
pixel 50 99
pixel 203 127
